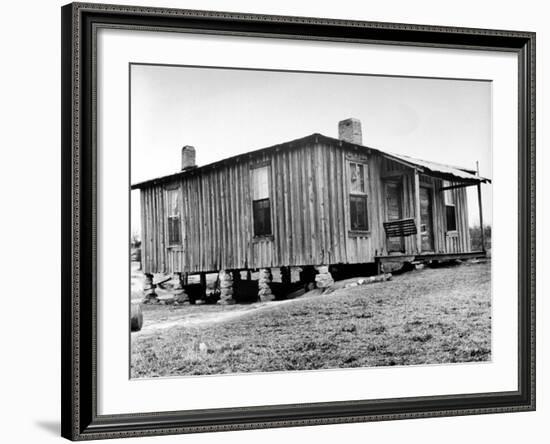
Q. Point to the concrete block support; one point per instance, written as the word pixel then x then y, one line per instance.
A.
pixel 323 279
pixel 180 296
pixel 226 288
pixel 264 285
pixel 150 296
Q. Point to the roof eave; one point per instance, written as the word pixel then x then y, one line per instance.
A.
pixel 446 176
pixel 296 142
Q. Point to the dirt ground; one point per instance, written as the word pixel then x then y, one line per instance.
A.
pixel 427 316
pixel 163 317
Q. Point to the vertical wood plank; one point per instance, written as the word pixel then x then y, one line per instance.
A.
pixel 312 207
pixel 144 235
pixel 417 211
pixel 293 217
pixel 286 205
pixel 280 213
pixel 349 244
pixel 320 208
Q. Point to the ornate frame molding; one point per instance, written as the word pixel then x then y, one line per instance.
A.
pixel 80 420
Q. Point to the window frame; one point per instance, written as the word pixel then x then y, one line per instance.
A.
pixel 448 230
pixel 449 201
pixel 171 243
pixel 253 168
pixel 362 194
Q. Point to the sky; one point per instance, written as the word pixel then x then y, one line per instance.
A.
pixel 223 112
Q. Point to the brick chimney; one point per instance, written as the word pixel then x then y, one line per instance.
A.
pixel 188 157
pixel 349 130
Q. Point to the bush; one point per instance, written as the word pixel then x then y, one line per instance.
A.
pixel 475 238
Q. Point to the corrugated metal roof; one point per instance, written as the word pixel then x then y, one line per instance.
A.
pixel 434 167
pixel 444 171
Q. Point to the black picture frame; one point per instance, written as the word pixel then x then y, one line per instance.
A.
pixel 79 169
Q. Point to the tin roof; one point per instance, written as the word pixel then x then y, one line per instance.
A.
pixel 440 169
pixel 446 172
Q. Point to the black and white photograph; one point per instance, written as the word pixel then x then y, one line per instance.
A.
pixel 292 221
pixel 275 222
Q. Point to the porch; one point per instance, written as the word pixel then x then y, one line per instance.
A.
pixel 425 211
pixel 427 257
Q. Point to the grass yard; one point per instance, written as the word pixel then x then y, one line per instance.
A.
pixel 428 316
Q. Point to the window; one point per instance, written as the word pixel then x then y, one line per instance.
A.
pixel 174 217
pixel 450 207
pixel 450 211
pixel 261 206
pixel 358 196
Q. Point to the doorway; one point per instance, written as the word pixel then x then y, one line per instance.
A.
pixel 394 211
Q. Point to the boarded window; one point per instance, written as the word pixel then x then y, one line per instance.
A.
pixel 358 199
pixel 174 217
pixel 450 207
pixel 261 205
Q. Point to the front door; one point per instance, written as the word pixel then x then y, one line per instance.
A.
pixel 426 221
pixel 394 195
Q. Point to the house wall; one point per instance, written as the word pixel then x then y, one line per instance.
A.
pixel 309 208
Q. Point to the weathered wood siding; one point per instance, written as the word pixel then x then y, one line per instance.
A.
pixel 309 197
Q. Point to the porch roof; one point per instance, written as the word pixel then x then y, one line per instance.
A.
pixel 443 171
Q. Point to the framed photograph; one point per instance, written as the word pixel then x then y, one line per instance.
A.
pixel 279 221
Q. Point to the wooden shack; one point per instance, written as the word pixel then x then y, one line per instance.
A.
pixel 316 201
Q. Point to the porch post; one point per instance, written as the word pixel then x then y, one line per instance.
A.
pixel 417 211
